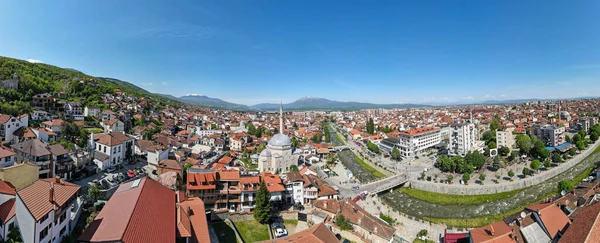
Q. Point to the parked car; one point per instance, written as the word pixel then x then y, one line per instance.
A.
pixel 130 173
pixel 279 232
pixel 111 169
pixel 277 225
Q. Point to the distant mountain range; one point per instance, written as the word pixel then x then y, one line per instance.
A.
pixel 305 103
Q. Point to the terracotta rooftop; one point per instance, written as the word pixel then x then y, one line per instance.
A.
pixel 273 182
pixel 498 232
pixel 553 218
pixel 7 210
pixel 54 122
pixel 142 210
pixel 229 175
pixel 6 152
pixel 36 196
pixel 417 131
pixel 586 227
pixel 111 139
pixel 316 234
pixel 192 211
pixel 293 176
pixel 7 188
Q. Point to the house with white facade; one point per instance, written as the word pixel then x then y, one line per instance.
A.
pixel 9 124
pixel 294 188
pixel 92 111
pixel 111 148
pixel 7 209
pixel 53 125
pixel 45 134
pixel 47 210
pixel 157 153
pixel 113 125
pixel 7 157
pixel 40 115
pixel 74 110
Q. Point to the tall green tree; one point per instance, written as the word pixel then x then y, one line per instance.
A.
pixel 370 126
pixel 495 125
pixel 262 208
pixel 475 159
pixel 395 154
pixel 524 143
pixel 94 192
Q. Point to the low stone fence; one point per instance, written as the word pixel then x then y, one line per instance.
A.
pixel 289 214
pixel 474 189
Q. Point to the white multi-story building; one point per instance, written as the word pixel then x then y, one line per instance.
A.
pixel 202 133
pixel 294 187
pixel 9 124
pixel 414 141
pixel 113 146
pixel 462 139
pixel 47 210
pixel 93 111
pixel 113 125
pixel 505 138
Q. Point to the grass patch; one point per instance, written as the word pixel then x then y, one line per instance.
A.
pixel 337 135
pixel 252 231
pixel 369 168
pixel 94 130
pixel 290 221
pixel 446 199
pixel 387 219
pixel 224 232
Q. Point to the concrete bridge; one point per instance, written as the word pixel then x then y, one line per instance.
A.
pixel 384 184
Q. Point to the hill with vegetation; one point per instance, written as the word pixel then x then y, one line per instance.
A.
pixel 38 78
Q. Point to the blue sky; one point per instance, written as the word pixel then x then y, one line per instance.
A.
pixel 269 51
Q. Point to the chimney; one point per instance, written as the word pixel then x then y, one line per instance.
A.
pixel 57 179
pixel 51 192
pixel 325 205
pixel 492 232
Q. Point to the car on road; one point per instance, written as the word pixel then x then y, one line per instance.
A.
pixel 279 232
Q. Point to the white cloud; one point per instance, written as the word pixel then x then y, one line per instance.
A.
pixel 146 84
pixel 34 61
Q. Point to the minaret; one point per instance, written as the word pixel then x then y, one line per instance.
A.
pixel 281 118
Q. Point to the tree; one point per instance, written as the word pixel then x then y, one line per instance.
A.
pixel 482 177
pixel 535 165
pixel 466 177
pixel 462 165
pixel 495 124
pixel 396 155
pixel 422 233
pixel 568 139
pixel 370 126
pixel 94 192
pixel 539 148
pixel 556 157
pixel 293 168
pixel 294 142
pixel 565 186
pixel 576 138
pixel 526 171
pixel 491 145
pixel 488 136
pixel 580 145
pixel 341 222
pixel 262 208
pixel 512 156
pixel 524 143
pixel 373 147
pixel 547 164
pixel 316 138
pixel 504 150
pixel 498 163
pixel 511 173
pixel 450 178
pixel 445 163
pixel 475 159
pixel 572 151
pixel 14 236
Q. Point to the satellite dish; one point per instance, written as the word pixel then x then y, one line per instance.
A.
pixel 523 214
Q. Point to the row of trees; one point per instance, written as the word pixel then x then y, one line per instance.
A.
pixel 532 146
pixel 471 161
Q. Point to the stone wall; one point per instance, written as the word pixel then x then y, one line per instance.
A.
pixel 475 189
pixel 219 216
pixel 350 235
pixel 289 214
pixel 242 216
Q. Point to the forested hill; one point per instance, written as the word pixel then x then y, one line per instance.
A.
pixel 37 78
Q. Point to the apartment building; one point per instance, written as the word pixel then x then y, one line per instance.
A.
pixel 228 187
pixel 9 124
pixel 202 183
pixel 47 210
pixel 551 135
pixel 505 138
pixel 249 185
pixel 111 148
pixel 413 142
pixel 584 123
pixel 294 188
pixel 462 139
pixel 48 157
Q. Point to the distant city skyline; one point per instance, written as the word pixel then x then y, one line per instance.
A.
pixel 383 52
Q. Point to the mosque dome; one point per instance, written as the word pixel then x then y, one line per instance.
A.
pixel 280 140
pixel 265 153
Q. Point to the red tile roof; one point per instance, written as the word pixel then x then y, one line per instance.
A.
pixel 553 218
pixel 273 182
pixel 7 210
pixel 420 130
pixel 317 234
pixel 229 175
pixel 7 188
pixel 586 227
pixel 36 196
pixel 6 152
pixel 498 232
pixel 200 178
pixel 193 211
pixel 142 213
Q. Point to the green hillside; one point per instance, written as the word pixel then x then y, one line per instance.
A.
pixel 36 78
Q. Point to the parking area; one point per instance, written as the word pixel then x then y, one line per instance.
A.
pixel 113 178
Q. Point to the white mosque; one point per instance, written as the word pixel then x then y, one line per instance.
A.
pixel 279 154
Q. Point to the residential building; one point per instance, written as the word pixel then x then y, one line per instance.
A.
pixel 202 183
pixel 294 186
pixel 9 124
pixel 108 115
pixel 165 167
pixel 113 125
pixel 44 101
pixel 92 111
pixel 46 156
pixel 551 135
pixel 47 210
pixel 495 232
pixel 228 187
pixel 584 123
pixel 40 115
pixel 356 134
pixel 74 110
pixel 413 142
pixel 317 233
pixel 7 157
pixel 463 138
pixel 53 125
pixel 585 228
pixel 505 138
pixel 156 153
pixel 20 174
pixel 142 210
pixel 7 209
pixel 274 186
pixel 249 185
pixel 111 149
pixel 191 220
pixel 45 134
pixel 22 134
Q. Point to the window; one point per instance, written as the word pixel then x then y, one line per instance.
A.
pixel 44 233
pixel 63 230
pixel 11 226
pixel 43 218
